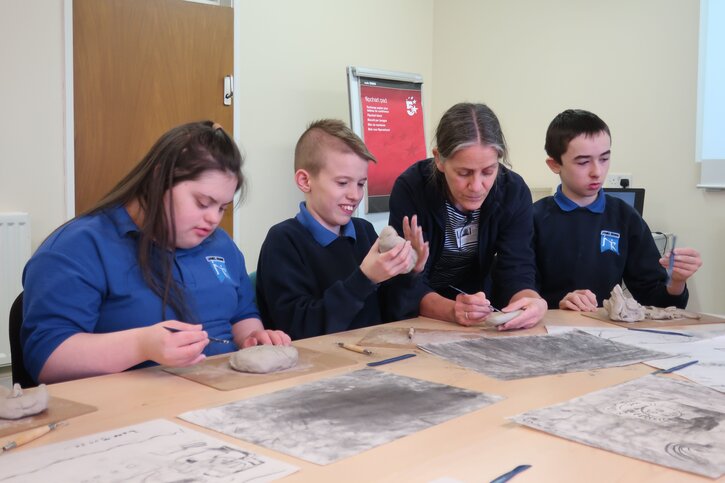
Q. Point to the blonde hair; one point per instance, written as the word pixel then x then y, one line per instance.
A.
pixel 327 134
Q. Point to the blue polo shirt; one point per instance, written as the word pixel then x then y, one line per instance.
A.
pixel 85 278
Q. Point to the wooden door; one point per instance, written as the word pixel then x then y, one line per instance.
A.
pixel 140 68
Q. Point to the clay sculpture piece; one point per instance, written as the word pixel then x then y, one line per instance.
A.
pixel 498 318
pixel 390 239
pixel 262 359
pixel 668 313
pixel 623 307
pixel 16 403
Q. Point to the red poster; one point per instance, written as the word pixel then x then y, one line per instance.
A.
pixel 393 131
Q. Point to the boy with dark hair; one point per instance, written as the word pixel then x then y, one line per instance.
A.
pixel 322 271
pixel 587 242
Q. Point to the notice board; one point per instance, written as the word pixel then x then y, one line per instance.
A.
pixel 386 111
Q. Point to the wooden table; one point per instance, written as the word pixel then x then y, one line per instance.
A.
pixel 473 448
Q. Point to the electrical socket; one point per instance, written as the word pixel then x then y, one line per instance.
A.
pixel 614 180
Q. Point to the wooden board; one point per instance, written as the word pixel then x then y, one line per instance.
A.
pixel 601 314
pixel 215 371
pixel 58 410
pixel 398 337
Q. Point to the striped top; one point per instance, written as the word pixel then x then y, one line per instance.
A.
pixel 460 248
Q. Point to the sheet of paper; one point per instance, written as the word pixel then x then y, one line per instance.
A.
pixel 517 357
pixel 157 450
pixel 653 418
pixel 330 419
pixel 705 346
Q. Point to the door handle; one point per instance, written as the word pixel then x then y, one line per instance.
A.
pixel 228 89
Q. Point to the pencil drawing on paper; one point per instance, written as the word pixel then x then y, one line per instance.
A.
pixel 330 419
pixel 664 421
pixel 705 344
pixel 518 357
pixel 158 450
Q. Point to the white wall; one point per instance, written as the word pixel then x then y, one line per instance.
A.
pixel 31 113
pixel 632 62
pixel 291 58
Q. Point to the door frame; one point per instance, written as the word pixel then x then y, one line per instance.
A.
pixel 69 112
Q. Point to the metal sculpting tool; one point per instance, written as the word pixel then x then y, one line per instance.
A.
pixel 657 331
pixel 671 266
pixel 464 293
pixel 392 359
pixel 507 476
pixel 213 339
pixel 676 368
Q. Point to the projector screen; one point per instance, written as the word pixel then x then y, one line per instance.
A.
pixel 711 95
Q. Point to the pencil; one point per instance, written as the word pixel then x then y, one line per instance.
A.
pixel 28 436
pixel 355 348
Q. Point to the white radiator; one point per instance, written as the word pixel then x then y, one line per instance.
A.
pixel 14 253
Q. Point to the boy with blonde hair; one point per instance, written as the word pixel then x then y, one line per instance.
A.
pixel 322 271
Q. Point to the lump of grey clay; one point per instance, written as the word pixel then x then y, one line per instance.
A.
pixel 390 239
pixel 495 319
pixel 16 403
pixel 261 359
pixel 620 306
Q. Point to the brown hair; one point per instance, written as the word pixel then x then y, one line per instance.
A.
pixel 468 124
pixel 570 124
pixel 182 154
pixel 327 134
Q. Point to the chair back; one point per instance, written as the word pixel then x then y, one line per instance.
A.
pixel 20 375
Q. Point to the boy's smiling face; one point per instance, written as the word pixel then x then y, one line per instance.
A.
pixel 332 195
pixel 583 167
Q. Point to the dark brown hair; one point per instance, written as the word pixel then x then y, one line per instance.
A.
pixel 182 154
pixel 568 125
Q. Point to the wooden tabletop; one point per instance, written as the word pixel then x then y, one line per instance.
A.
pixel 476 447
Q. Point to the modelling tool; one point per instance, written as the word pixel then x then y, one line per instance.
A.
pixel 213 339
pixel 464 293
pixel 355 348
pixel 657 331
pixel 29 435
pixel 676 368
pixel 507 476
pixel 392 359
pixel 671 265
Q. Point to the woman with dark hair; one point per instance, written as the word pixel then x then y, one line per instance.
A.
pixel 103 290
pixel 477 217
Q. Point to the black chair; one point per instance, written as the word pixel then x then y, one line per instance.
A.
pixel 20 375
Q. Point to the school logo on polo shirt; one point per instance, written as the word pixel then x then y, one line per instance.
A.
pixel 609 241
pixel 220 267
